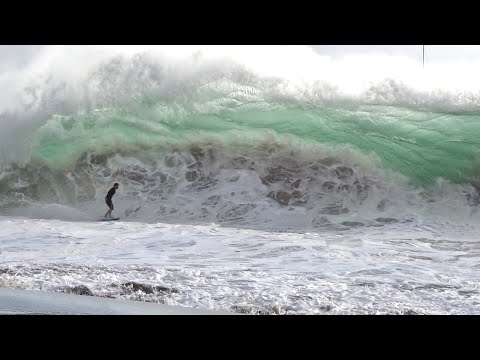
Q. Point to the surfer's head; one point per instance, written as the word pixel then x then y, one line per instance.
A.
pixel 116 185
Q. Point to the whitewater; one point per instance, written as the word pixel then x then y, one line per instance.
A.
pixel 253 179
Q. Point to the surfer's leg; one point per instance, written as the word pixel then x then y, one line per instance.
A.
pixel 109 212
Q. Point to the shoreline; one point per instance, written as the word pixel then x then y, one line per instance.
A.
pixel 28 302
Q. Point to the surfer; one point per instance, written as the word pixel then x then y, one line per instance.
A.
pixel 108 200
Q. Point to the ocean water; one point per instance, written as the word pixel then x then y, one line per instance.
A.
pixel 256 180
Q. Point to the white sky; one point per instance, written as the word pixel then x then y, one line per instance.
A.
pixel 16 56
pixel 432 52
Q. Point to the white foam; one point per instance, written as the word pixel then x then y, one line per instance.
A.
pixel 421 266
pixel 301 66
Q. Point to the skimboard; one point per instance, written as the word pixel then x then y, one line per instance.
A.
pixel 108 219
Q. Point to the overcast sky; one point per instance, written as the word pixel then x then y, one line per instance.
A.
pixel 17 56
pixel 432 52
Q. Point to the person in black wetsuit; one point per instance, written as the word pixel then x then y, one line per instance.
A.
pixel 108 199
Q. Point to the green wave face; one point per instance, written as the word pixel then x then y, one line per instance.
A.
pixel 420 145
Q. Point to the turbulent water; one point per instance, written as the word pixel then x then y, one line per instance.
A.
pixel 241 190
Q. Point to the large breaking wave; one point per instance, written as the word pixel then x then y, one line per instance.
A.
pixel 199 137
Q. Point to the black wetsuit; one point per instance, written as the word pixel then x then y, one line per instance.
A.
pixel 108 198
